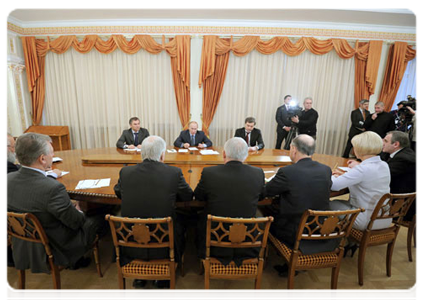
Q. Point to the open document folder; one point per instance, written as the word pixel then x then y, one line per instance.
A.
pixel 92 183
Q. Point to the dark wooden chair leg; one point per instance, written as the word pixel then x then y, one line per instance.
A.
pixel 21 284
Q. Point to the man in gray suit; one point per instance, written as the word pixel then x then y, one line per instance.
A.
pixel 132 138
pixel 29 190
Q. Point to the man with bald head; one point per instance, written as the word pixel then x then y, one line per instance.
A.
pixel 380 121
pixel 303 185
pixel 230 190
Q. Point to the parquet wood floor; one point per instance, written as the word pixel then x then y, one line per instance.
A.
pixel 84 284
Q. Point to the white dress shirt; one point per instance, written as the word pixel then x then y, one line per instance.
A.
pixel 367 183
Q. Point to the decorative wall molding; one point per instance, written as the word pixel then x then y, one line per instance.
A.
pixel 347 31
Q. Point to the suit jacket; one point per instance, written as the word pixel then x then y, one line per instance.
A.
pixel 384 122
pixel 255 137
pixel 282 118
pixel 357 122
pixel 405 175
pixel 185 137
pixel 301 186
pixel 127 137
pixel 11 167
pixel 308 121
pixel 32 192
pixel 230 190
pixel 150 190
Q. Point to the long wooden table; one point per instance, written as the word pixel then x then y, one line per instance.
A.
pixel 107 162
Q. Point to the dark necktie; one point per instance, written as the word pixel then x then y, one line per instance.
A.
pixel 192 140
pixel 247 138
pixel 136 139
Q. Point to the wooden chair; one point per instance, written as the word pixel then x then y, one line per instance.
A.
pixel 318 226
pixel 389 206
pixel 236 233
pixel 25 226
pixel 411 232
pixel 149 234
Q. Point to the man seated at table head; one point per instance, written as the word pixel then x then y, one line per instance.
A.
pixel 251 135
pixel 192 137
pixel 70 233
pixel 229 190
pixel 401 160
pixel 132 138
pixel 303 185
pixel 150 190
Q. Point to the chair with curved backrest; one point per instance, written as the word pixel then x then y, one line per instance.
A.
pixel 318 226
pixel 236 233
pixel 411 232
pixel 148 234
pixel 389 206
pixel 27 227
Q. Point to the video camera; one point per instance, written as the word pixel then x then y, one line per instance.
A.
pixel 294 109
pixel 410 102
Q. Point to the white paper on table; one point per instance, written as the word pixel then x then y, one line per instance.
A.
pixel 268 179
pixel 345 169
pixel 135 149
pixel 171 151
pixel 192 148
pixel 285 158
pixel 183 150
pixel 63 173
pixel 208 152
pixel 56 159
pixel 269 171
pixel 92 183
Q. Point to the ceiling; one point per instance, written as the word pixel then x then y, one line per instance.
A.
pixel 45 17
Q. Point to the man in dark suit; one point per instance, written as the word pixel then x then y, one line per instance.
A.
pixel 229 190
pixel 150 190
pixel 380 121
pixel 69 232
pixel 304 185
pixel 401 160
pixel 132 138
pixel 306 123
pixel 251 135
pixel 358 117
pixel 283 120
pixel 11 156
pixel 192 137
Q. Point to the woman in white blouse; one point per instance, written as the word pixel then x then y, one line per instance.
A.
pixel 367 181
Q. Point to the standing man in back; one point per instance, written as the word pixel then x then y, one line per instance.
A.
pixel 132 138
pixel 358 116
pixel 284 123
pixel 380 121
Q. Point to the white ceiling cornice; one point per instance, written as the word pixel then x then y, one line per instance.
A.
pixel 214 23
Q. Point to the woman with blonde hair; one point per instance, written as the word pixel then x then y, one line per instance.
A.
pixel 367 181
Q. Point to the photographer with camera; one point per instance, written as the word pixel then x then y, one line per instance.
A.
pixel 380 121
pixel 307 120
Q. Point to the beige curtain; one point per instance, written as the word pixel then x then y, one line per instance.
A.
pixel 256 84
pixel 96 94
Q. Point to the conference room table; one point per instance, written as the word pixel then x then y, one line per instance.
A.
pixel 101 163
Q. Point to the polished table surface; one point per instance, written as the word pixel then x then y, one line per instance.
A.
pixel 107 162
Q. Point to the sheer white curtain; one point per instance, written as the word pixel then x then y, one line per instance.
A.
pixel 95 95
pixel 408 83
pixel 256 84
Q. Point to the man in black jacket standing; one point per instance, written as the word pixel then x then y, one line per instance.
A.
pixel 306 123
pixel 284 123
pixel 358 116
pixel 380 121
